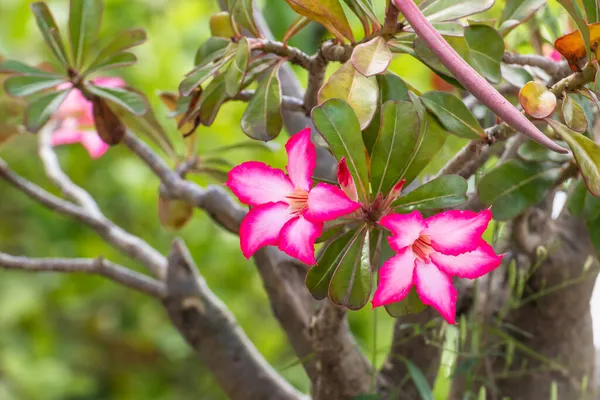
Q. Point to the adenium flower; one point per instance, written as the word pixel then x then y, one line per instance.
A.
pixel 77 121
pixel 430 252
pixel 286 210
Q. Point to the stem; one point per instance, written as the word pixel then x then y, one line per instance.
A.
pixel 469 78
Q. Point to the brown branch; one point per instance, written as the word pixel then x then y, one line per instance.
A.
pixel 287 102
pixel 549 66
pixel 212 332
pixel 95 266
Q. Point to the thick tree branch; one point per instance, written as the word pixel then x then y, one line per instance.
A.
pixel 211 330
pixel 95 266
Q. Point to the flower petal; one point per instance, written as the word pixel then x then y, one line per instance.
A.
pixel 327 202
pixel 346 180
pixel 405 228
pixel 68 133
pixel 298 238
pixel 256 183
pixel 93 144
pixel 455 232
pixel 435 289
pixel 109 81
pixel 471 265
pixel 395 278
pixel 262 225
pixel 302 159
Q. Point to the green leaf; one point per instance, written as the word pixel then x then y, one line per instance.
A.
pixel 514 186
pixel 242 12
pixel 50 32
pixel 516 76
pixel 594 229
pixel 592 10
pixel 335 252
pixel 410 305
pixel 262 119
pixel 41 109
pixel 486 50
pixel 132 101
pixel 123 41
pixel 211 100
pixel 573 115
pixel 237 70
pixel 442 192
pixel 357 90
pixel 533 152
pixel 419 380
pixel 517 11
pixel 85 17
pixel 451 10
pixel 199 75
pixel 586 152
pixel 351 282
pixel 336 122
pixel 453 114
pixel 328 13
pixel 583 204
pixel 212 49
pixel 17 67
pixel 147 125
pixel 391 87
pixel 24 85
pixel 117 61
pixel 577 15
pixel 372 58
pixel 366 14
pixel 400 128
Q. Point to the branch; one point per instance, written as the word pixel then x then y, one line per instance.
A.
pixel 129 244
pixel 95 266
pixel 551 67
pixel 288 102
pixel 211 330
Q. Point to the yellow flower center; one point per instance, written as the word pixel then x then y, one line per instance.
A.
pixel 298 201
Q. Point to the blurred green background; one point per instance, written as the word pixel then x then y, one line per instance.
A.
pixel 81 337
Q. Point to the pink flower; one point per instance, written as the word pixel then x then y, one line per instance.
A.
pixel 430 252
pixel 346 181
pixel 286 210
pixel 77 121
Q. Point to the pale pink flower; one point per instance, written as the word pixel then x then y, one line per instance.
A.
pixel 286 211
pixel 77 121
pixel 430 252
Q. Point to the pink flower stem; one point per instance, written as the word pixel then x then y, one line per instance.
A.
pixel 469 78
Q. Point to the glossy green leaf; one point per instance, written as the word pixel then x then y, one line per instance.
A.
pixel 533 152
pixel 24 85
pixel 211 100
pixel 50 32
pixel 400 128
pixel 537 100
pixel 336 251
pixel 366 14
pixel 121 42
pixel 234 76
pixel 358 91
pixel 85 17
pixel 586 152
pixel 573 115
pixel 336 122
pixel 351 282
pixel 41 109
pixel 372 58
pixel 391 87
pixel 132 101
pixel 201 74
pixel 450 10
pixel 242 13
pixel 486 50
pixel 592 10
pixel 328 13
pixel 17 67
pixel 442 192
pixel 212 49
pixel 117 61
pixel 453 114
pixel 578 17
pixel 410 305
pixel 582 203
pixel 262 119
pixel 518 11
pixel 514 186
pixel 516 76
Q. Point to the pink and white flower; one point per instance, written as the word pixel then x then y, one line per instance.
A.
pixel 77 120
pixel 286 210
pixel 430 252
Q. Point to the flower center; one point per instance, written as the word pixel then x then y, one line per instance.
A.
pixel 422 247
pixel 298 201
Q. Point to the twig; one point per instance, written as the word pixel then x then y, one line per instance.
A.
pixel 549 66
pixel 288 102
pixel 96 266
